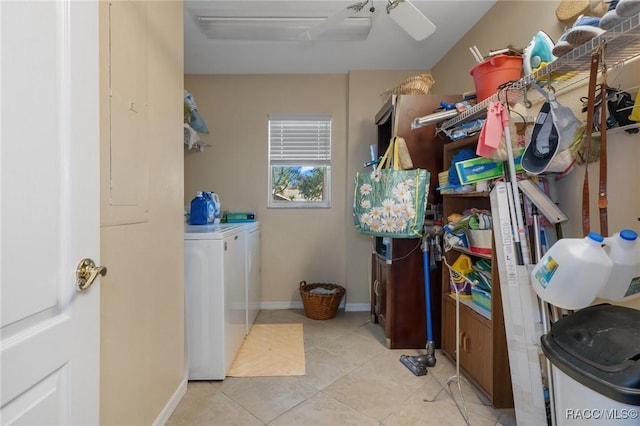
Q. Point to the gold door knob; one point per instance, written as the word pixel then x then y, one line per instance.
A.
pixel 87 272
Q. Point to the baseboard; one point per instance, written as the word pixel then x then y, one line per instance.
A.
pixel 349 307
pixel 358 307
pixel 173 402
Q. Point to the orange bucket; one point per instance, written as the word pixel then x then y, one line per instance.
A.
pixel 493 72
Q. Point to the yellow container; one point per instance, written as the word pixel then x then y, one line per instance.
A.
pixel 463 266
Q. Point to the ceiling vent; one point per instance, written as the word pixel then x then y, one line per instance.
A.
pixel 281 28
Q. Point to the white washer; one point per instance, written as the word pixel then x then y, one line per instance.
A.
pixel 215 297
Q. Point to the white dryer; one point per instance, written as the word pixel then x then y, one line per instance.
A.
pixel 253 262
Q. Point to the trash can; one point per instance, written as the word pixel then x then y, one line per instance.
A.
pixel 595 357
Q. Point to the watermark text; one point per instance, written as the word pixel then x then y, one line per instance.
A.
pixel 602 413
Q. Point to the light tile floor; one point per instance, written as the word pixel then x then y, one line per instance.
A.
pixel 351 379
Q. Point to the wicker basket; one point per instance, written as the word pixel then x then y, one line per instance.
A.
pixel 321 306
pixel 415 85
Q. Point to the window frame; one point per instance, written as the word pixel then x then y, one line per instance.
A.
pixel 323 159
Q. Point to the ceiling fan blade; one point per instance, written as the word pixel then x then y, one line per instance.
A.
pixel 317 30
pixel 411 19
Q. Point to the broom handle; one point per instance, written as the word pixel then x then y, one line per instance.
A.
pixel 522 237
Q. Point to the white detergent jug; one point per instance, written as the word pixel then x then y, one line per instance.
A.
pixel 218 207
pixel 624 250
pixel 572 272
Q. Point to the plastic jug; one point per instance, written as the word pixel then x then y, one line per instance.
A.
pixel 624 250
pixel 199 210
pixel 574 270
pixel 211 207
pixel 217 207
pixel 462 265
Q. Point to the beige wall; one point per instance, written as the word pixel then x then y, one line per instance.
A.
pixel 235 108
pixel 297 244
pixel 316 245
pixel 142 321
pixel 506 24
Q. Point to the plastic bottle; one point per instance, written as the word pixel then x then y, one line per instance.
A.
pixel 624 250
pixel 462 265
pixel 217 207
pixel 211 208
pixel 199 210
pixel 574 270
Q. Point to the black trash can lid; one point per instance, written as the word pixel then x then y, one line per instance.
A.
pixel 599 346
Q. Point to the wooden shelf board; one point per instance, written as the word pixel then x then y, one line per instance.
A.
pixel 473 194
pixel 473 306
pixel 472 253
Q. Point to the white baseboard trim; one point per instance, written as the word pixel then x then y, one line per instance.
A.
pixel 349 307
pixel 358 307
pixel 173 402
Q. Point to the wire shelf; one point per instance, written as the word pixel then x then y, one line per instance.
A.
pixel 621 44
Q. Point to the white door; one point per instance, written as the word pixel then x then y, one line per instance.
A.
pixel 49 218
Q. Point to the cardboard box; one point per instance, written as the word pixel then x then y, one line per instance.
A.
pixel 479 240
pixel 481 168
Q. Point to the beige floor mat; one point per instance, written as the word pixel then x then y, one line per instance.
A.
pixel 270 350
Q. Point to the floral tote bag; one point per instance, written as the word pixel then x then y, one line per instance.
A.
pixel 389 202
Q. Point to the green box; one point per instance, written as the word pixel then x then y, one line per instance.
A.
pixel 481 168
pixel 239 217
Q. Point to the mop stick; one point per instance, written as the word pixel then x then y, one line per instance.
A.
pixel 512 215
pixel 543 306
pixel 456 378
pixel 524 250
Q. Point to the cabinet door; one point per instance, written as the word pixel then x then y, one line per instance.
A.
pixel 476 352
pixel 380 286
pixel 234 251
pixel 476 349
pixel 372 290
pixel 449 326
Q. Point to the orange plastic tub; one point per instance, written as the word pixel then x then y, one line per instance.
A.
pixel 493 72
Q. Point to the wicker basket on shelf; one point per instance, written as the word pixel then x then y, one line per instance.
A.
pixel 415 85
pixel 321 300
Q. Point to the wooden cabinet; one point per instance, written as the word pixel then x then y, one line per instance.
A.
pixel 483 346
pixel 397 296
pixel 397 284
pixel 424 145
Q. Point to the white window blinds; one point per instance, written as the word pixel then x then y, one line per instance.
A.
pixel 299 139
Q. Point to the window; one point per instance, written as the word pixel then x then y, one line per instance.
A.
pixel 299 161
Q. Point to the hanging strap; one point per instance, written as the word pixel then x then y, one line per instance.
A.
pixel 396 119
pixel 391 157
pixel 602 187
pixel 385 161
pixel 591 95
